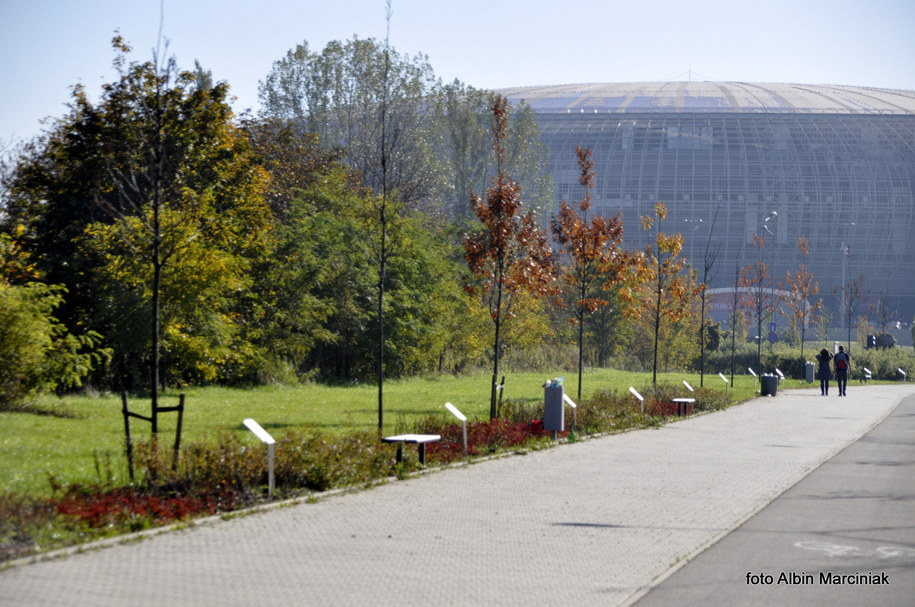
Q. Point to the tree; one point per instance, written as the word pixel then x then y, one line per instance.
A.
pixel 37 353
pixel 708 265
pixel 510 254
pixel 461 125
pixel 593 252
pixel 885 311
pixel 608 329
pixel 463 115
pixel 340 95
pixel 665 291
pixel 736 317
pixel 852 296
pixel 802 287
pixel 435 134
pixel 759 298
pixel 153 175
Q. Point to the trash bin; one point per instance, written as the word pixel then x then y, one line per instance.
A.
pixel 768 385
pixel 553 410
pixel 809 372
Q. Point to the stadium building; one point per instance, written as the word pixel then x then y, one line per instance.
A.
pixel 732 160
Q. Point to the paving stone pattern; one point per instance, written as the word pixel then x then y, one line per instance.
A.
pixel 593 523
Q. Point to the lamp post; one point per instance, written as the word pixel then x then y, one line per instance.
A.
pixel 846 307
pixel 762 275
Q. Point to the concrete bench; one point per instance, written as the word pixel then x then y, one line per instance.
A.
pixel 419 439
pixel 684 406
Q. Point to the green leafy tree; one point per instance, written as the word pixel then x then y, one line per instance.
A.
pixel 434 135
pixel 156 175
pixel 37 353
pixel 340 94
pixel 462 117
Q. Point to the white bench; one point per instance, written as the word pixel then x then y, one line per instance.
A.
pixel 419 439
pixel 684 406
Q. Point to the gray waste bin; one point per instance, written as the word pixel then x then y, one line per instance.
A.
pixel 553 410
pixel 768 385
pixel 809 372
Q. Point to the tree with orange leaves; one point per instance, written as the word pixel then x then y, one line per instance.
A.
pixel 593 252
pixel 802 287
pixel 665 292
pixel 510 254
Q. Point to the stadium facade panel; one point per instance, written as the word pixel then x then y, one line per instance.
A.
pixel 734 160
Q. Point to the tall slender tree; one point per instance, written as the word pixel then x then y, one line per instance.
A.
pixel 592 247
pixel 510 255
pixel 802 287
pixel 382 209
pixel 666 291
pixel 759 295
pixel 852 297
pixel 708 267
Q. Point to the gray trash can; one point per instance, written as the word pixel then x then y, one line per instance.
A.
pixel 553 410
pixel 809 372
pixel 768 385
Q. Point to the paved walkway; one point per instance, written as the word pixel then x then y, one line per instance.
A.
pixel 593 523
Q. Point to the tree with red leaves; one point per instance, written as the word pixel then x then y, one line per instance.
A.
pixel 510 254
pixel 592 248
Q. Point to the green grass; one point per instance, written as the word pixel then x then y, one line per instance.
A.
pixel 85 437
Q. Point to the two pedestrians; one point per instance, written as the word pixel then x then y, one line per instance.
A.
pixel 841 362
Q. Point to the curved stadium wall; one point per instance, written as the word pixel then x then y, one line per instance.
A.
pixel 834 164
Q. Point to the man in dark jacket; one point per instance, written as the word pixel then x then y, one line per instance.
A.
pixel 842 362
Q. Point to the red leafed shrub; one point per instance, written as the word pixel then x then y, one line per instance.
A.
pixel 123 505
pixel 482 437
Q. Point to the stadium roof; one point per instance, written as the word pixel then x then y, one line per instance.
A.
pixel 713 97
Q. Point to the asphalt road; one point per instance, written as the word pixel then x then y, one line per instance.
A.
pixel 854 516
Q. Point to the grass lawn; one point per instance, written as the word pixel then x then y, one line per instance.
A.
pixel 85 439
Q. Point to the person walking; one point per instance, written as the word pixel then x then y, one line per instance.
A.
pixel 842 361
pixel 824 372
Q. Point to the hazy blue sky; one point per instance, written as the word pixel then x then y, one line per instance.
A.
pixel 49 45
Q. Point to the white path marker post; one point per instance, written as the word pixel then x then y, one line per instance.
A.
pixel 463 418
pixel 903 374
pixel 727 384
pixel 638 396
pixel 753 373
pixel 568 400
pixel 265 437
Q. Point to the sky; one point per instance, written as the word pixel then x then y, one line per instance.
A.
pixel 48 46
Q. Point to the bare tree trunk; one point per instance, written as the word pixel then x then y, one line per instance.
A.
pixel 493 413
pixel 657 330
